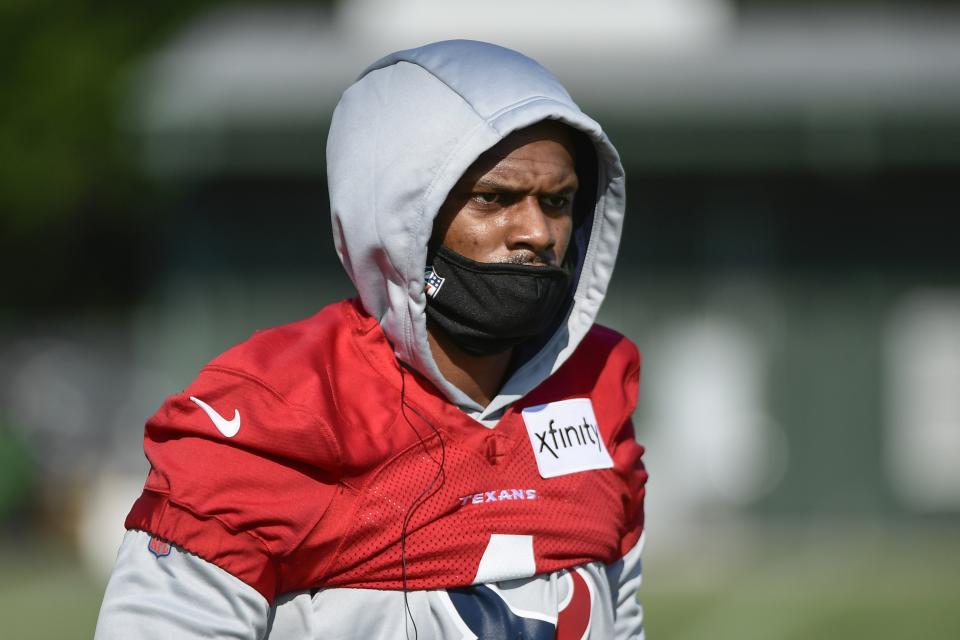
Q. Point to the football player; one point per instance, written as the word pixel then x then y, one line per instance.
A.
pixel 450 454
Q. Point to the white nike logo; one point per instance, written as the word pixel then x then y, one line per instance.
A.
pixel 229 428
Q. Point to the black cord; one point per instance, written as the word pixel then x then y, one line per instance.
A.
pixel 420 499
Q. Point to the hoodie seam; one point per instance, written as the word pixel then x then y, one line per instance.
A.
pixel 516 105
pixel 494 115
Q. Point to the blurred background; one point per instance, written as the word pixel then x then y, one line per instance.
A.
pixel 790 269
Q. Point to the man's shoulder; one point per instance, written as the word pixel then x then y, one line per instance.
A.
pixel 300 342
pixel 604 360
pixel 605 367
pixel 277 385
pixel 603 344
pixel 291 359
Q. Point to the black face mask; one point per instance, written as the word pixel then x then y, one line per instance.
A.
pixel 487 308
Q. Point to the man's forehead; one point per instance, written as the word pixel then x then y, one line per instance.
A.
pixel 517 172
pixel 545 130
pixel 523 148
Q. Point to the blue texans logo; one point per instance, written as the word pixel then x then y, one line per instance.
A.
pixel 489 617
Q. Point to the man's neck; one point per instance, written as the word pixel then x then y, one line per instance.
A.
pixel 480 377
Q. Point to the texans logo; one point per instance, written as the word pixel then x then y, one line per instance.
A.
pixel 486 613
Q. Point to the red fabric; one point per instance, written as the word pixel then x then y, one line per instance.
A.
pixel 314 488
pixel 574 619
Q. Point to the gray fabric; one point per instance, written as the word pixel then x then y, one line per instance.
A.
pixel 625 577
pixel 176 596
pixel 400 138
pixel 183 597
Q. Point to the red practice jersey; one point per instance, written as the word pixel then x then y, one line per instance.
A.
pixel 307 457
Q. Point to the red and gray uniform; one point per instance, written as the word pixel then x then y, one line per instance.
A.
pixel 305 504
pixel 303 470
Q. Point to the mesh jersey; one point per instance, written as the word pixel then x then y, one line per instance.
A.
pixel 343 457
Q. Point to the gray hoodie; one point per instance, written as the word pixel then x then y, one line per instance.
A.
pixel 401 137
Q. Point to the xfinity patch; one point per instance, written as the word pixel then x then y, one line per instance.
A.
pixel 565 437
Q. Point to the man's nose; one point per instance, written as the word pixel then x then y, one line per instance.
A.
pixel 530 228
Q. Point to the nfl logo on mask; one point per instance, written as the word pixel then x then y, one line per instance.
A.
pixel 432 282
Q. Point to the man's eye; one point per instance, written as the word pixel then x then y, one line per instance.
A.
pixel 556 202
pixel 486 197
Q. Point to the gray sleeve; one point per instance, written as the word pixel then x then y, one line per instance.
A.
pixel 625 577
pixel 176 596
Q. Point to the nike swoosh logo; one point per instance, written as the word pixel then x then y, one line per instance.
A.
pixel 228 428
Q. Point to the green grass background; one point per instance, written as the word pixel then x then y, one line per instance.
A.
pixel 787 583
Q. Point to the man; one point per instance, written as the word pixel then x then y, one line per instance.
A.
pixel 451 454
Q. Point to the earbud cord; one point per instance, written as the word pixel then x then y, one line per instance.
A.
pixel 431 488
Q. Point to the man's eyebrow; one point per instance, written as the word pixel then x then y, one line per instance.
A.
pixel 495 184
pixel 499 185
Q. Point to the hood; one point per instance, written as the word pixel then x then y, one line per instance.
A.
pixel 401 137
